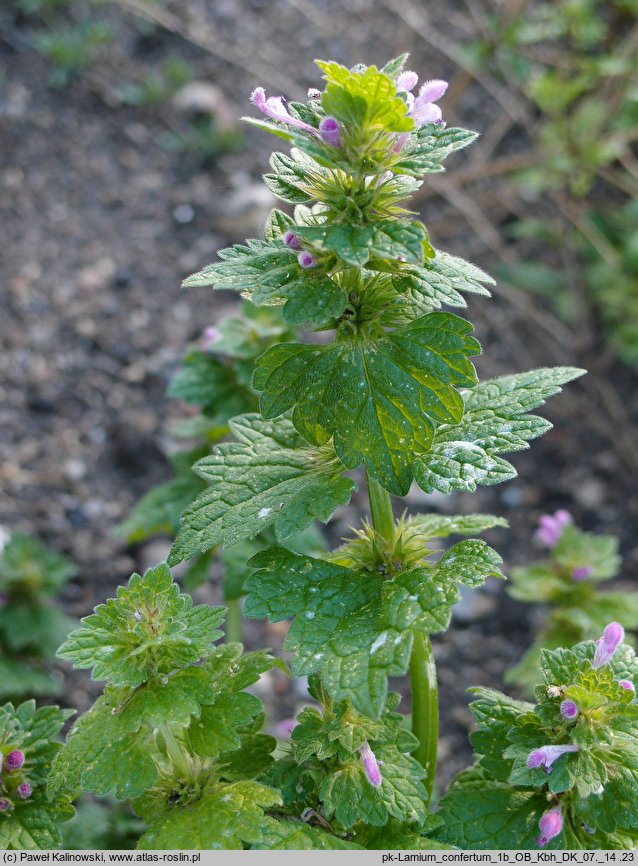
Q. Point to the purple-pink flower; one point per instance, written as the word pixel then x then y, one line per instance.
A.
pixel 569 710
pixel 423 109
pixel 24 790
pixel 580 573
pixel 306 259
pixel 292 241
pixel 14 760
pixel 546 755
pixel 5 804
pixel 550 527
pixel 273 106
pixel 627 684
pixel 283 729
pixel 407 81
pixel 330 131
pixel 370 765
pixel 550 825
pixel 607 645
pixel 210 335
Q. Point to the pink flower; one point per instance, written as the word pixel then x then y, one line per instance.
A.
pixel 424 110
pixel 607 645
pixel 420 108
pixel 546 755
pixel 274 107
pixel 283 729
pixel 550 527
pixel 306 259
pixel 627 684
pixel 550 825
pixel 569 710
pixel 582 572
pixel 14 760
pixel 210 336
pixel 24 790
pixel 370 765
pixel 406 82
pixel 292 241
pixel 330 131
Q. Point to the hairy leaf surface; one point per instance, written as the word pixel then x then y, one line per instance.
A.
pixel 380 399
pixel 269 477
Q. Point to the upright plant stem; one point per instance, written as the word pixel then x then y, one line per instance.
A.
pixel 425 707
pixel 423 683
pixel 233 621
pixel 380 509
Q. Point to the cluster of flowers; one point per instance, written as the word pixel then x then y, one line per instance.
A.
pixel 551 822
pixel 11 763
pixel 422 109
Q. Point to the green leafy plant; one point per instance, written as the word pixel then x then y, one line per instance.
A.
pixel 382 380
pixel 160 84
pixel 31 624
pixel 561 772
pixel 568 582
pixel 29 816
pixel 71 48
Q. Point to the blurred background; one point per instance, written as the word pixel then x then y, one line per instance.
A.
pixel 125 167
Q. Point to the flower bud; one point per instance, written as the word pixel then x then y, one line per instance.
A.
pixel 306 259
pixel 330 131
pixel 370 765
pixel 24 790
pixel 14 760
pixel 607 645
pixel 550 825
pixel 627 684
pixel 292 241
pixel 582 572
pixel 569 710
pixel 5 804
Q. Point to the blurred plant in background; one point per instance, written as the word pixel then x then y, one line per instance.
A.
pixel 567 581
pixel 577 63
pixel 72 48
pixel 75 38
pixel 31 624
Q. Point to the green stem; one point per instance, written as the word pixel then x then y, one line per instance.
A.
pixel 380 509
pixel 423 684
pixel 233 621
pixel 425 707
pixel 175 750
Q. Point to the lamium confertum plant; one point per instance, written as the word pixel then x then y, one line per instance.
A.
pixel 387 383
pixel 382 379
pixel 560 773
pixel 567 581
